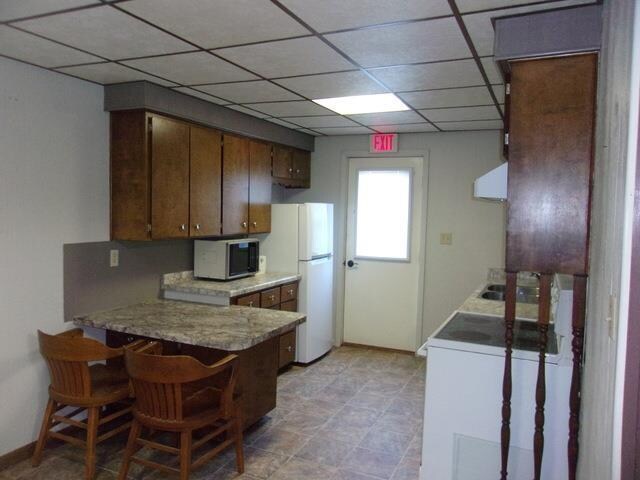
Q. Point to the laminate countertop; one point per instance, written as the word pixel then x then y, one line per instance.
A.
pixel 184 282
pixel 230 328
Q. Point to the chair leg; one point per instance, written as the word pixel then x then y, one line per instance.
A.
pixel 134 433
pixel 47 420
pixel 239 450
pixel 92 435
pixel 185 454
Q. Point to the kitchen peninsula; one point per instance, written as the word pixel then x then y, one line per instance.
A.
pixel 209 333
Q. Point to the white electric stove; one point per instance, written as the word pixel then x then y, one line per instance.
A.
pixel 463 401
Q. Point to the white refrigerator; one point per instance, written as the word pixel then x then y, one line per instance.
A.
pixel 301 240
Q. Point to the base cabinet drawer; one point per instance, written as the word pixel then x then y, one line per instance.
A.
pixel 289 292
pixel 287 349
pixel 252 300
pixel 270 298
pixel 290 306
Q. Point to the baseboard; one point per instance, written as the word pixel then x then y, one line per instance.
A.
pixel 16 456
pixel 382 349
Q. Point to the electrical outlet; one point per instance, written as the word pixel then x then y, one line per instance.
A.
pixel 446 238
pixel 114 258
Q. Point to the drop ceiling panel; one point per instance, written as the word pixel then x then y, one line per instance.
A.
pixel 107 73
pixel 218 23
pixel 248 111
pixel 478 125
pixel 27 47
pixel 476 5
pixel 201 95
pixel 481 29
pixel 191 68
pixel 309 132
pixel 406 128
pixel 107 32
pixel 387 118
pixel 14 9
pixel 333 85
pixel 322 121
pixel 298 56
pixel 462 73
pixel 328 15
pixel 345 130
pixel 428 41
pixel 283 123
pixel 461 113
pixel 249 92
pixel 454 97
pixel 491 68
pixel 290 109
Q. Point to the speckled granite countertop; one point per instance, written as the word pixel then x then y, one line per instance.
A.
pixel 475 304
pixel 185 282
pixel 229 328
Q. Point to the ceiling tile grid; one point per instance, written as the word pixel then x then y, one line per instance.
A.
pixel 270 58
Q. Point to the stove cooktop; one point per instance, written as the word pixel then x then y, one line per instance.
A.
pixel 485 330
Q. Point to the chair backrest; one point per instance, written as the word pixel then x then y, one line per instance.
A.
pixel 67 355
pixel 158 381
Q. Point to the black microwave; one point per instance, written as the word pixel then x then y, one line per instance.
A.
pixel 226 259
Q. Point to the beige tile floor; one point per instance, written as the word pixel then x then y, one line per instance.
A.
pixel 354 415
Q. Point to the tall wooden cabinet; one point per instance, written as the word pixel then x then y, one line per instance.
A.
pixel 165 178
pixel 259 187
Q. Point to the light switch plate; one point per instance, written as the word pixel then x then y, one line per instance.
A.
pixel 114 258
pixel 446 238
pixel 262 264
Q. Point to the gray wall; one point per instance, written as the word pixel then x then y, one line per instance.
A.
pixel 453 160
pixel 54 189
pixel 90 284
pixel 597 457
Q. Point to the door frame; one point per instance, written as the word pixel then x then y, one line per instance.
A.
pixel 340 221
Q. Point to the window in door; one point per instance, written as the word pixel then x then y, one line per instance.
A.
pixel 383 213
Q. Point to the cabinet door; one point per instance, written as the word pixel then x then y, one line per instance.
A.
pixel 301 165
pixel 206 182
pixel 235 185
pixel 251 300
pixel 169 178
pixel 282 162
pixel 259 188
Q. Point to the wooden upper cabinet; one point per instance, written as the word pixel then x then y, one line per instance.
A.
pixel 291 167
pixel 259 187
pixel 235 185
pixel 169 178
pixel 205 182
pixel 552 111
pixel 282 162
pixel 130 170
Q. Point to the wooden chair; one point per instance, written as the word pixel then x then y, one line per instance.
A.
pixel 74 383
pixel 180 394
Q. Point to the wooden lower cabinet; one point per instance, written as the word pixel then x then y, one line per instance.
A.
pixel 287 350
pixel 285 298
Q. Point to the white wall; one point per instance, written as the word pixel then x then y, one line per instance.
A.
pixel 54 189
pixel 454 160
pixel 597 456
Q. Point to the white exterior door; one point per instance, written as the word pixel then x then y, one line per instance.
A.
pixel 383 252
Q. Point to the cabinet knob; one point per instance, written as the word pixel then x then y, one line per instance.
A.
pixel 183 227
pixel 197 226
pixel 129 339
pixel 291 292
pixel 298 170
pixel 290 170
pixel 289 348
pixel 244 224
pixel 272 297
pixel 255 224
pixel 250 304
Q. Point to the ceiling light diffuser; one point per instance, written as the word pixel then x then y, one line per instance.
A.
pixel 383 102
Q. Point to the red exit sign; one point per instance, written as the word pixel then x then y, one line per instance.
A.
pixel 383 142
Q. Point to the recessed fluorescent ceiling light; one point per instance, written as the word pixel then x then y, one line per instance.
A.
pixel 383 102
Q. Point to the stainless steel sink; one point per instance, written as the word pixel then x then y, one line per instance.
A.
pixel 523 294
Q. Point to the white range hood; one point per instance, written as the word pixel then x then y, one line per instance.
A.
pixel 493 184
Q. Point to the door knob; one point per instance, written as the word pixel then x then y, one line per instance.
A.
pixel 351 263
